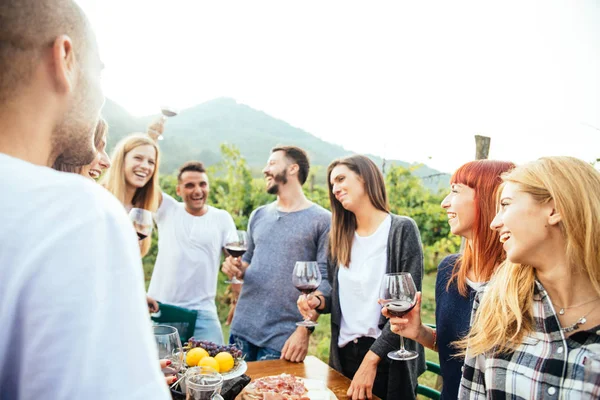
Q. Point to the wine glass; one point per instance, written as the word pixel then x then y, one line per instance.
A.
pixel 202 383
pixel 306 278
pixel 398 293
pixel 591 366
pixel 169 348
pixel 236 246
pixel 167 112
pixel 142 222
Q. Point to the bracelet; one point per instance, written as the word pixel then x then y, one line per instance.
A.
pixel 435 345
pixel 318 305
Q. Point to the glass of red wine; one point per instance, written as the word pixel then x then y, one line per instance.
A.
pixel 169 348
pixel 142 222
pixel 398 293
pixel 167 112
pixel 236 246
pixel 306 278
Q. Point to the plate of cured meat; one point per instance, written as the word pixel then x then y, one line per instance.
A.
pixel 286 387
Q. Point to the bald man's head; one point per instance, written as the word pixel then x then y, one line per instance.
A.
pixel 54 37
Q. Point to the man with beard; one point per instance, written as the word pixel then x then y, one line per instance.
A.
pixel 290 229
pixel 192 236
pixel 72 304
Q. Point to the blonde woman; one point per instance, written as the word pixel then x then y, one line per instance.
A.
pixel 133 178
pixel 539 319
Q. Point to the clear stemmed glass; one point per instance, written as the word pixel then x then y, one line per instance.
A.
pixel 167 112
pixel 142 222
pixel 398 293
pixel 169 348
pixel 203 383
pixel 236 246
pixel 306 278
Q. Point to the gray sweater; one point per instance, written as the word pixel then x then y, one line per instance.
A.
pixel 404 254
pixel 266 313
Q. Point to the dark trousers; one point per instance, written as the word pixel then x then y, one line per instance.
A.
pixel 351 356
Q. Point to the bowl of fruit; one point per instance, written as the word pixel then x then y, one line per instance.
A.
pixel 225 359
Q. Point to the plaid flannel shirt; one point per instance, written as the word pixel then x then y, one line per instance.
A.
pixel 547 365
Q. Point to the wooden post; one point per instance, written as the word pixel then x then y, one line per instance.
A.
pixel 482 147
pixel 482 150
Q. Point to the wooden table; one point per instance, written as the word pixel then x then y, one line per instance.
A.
pixel 311 368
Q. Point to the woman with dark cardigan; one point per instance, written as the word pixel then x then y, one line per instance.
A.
pixel 366 241
pixel 471 206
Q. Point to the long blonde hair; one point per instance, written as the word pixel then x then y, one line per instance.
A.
pixel 504 316
pixel 146 197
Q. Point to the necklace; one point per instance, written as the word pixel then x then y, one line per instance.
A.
pixel 576 325
pixel 562 309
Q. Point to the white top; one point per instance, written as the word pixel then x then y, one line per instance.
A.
pixel 189 251
pixel 360 284
pixel 73 310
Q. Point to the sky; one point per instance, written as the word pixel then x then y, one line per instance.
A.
pixel 409 80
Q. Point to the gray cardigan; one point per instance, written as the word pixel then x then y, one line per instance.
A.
pixel 404 254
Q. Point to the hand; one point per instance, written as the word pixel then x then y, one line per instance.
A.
pixel 409 325
pixel 362 384
pixel 296 347
pixel 168 379
pixel 157 128
pixel 307 304
pixel 152 305
pixel 232 266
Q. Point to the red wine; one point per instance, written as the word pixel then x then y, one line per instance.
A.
pixel 141 236
pixel 307 289
pixel 398 308
pixel 235 250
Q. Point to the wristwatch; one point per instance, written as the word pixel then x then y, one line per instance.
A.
pixel 310 329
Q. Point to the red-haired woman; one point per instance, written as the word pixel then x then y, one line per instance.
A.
pixel 471 207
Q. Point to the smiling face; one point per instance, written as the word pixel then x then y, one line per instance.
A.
pixel 139 165
pixel 347 187
pixel 193 188
pixel 523 225
pixel 100 164
pixel 460 208
pixel 276 172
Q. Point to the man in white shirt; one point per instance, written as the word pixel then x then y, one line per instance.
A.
pixel 72 305
pixel 192 236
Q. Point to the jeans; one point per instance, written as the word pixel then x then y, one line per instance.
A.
pixel 253 352
pixel 208 327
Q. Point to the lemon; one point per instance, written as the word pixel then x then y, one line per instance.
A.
pixel 209 362
pixel 194 356
pixel 225 361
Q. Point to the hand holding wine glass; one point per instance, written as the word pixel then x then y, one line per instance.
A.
pixel 398 294
pixel 142 222
pixel 236 246
pixel 167 112
pixel 169 348
pixel 306 278
pixel 409 325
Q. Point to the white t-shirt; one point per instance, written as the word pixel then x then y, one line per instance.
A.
pixel 73 315
pixel 189 251
pixel 360 284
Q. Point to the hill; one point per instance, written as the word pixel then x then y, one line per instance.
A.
pixel 197 132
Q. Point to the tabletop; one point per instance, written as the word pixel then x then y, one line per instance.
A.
pixel 311 368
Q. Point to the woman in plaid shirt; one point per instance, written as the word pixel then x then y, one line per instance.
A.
pixel 539 319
